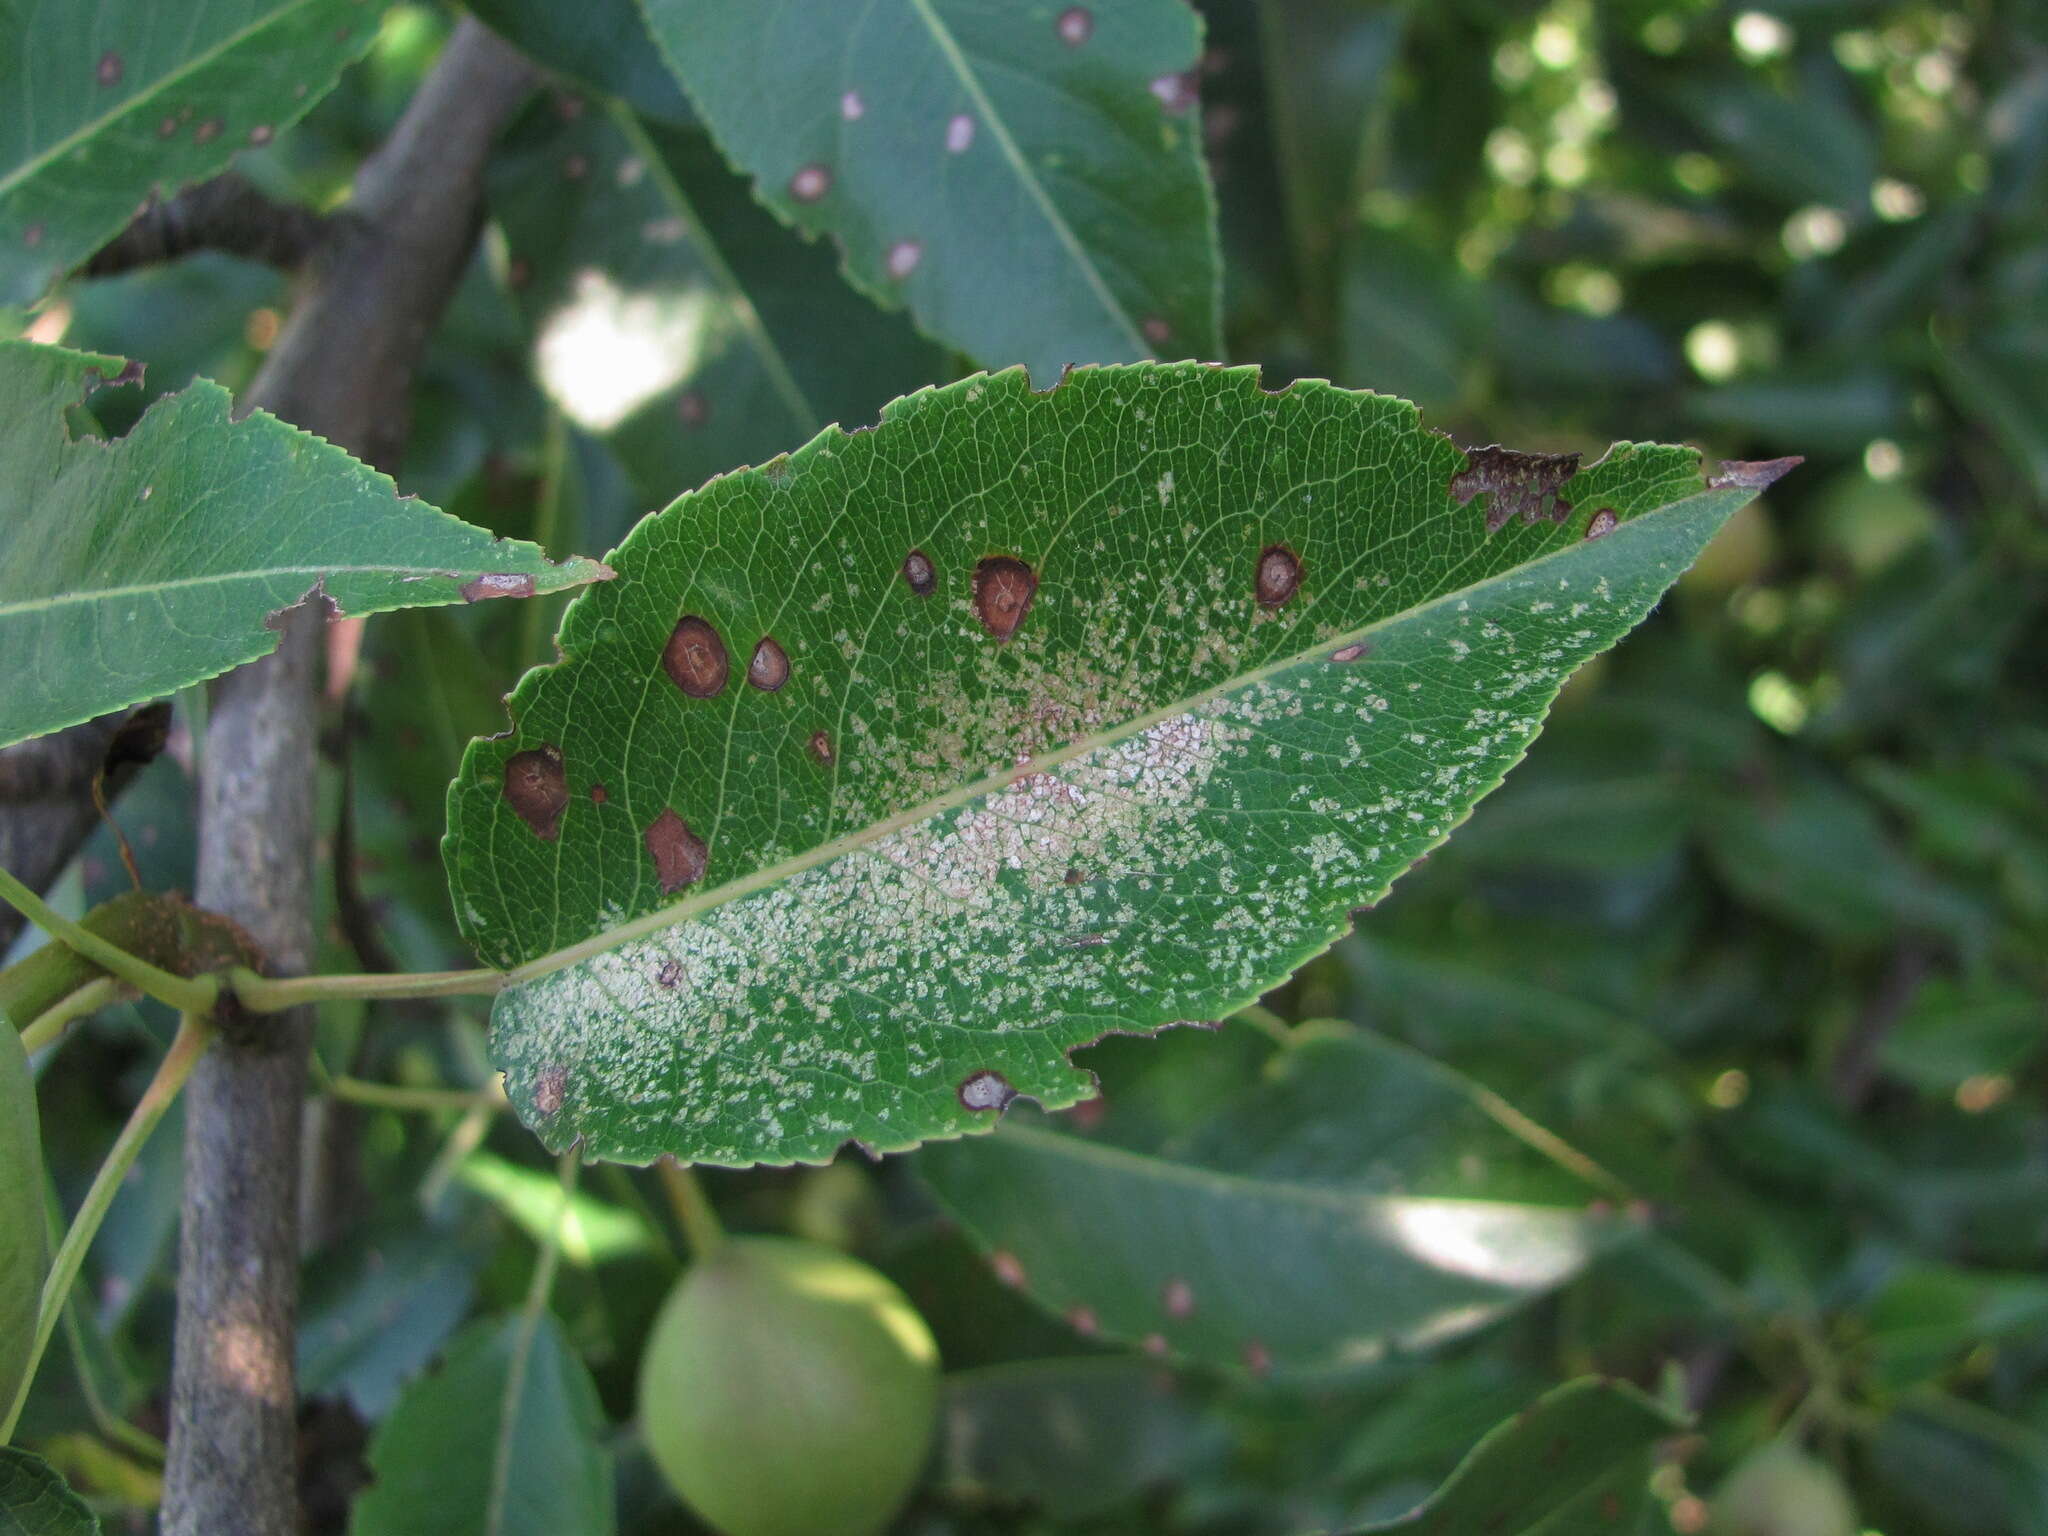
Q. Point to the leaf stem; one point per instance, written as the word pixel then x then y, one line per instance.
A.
pixel 700 1224
pixel 425 1100
pixel 194 1035
pixel 48 1027
pixel 273 994
pixel 187 994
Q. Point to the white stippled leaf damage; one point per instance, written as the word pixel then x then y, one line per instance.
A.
pixel 888 773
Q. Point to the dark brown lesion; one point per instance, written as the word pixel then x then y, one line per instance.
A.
pixel 537 789
pixel 919 574
pixel 695 658
pixel 1278 575
pixel 680 855
pixel 820 747
pixel 768 669
pixel 1516 484
pixel 1003 589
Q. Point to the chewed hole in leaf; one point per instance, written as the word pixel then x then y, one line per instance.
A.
pixel 695 658
pixel 537 789
pixel 1003 589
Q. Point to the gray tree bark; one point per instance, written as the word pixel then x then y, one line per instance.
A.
pixel 342 368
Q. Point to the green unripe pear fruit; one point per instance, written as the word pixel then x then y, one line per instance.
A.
pixel 24 1256
pixel 1781 1491
pixel 788 1390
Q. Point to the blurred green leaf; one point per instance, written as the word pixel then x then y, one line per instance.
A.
pixel 502 1440
pixel 34 1500
pixel 939 143
pixel 592 1231
pixel 112 104
pixel 604 43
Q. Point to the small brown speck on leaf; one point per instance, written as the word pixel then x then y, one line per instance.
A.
pixel 1610 1506
pixel 1178 1297
pixel 490 584
pixel 1353 652
pixel 1084 1321
pixel 670 975
pixel 820 747
pixel 810 183
pixel 1075 26
pixel 904 256
pixel 109 69
pixel 537 789
pixel 1279 575
pixel 985 1090
pixel 1257 1358
pixel 167 127
pixel 1155 1344
pixel 576 167
pixel 32 236
pixel 695 658
pixel 1003 589
pixel 1074 876
pixel 207 131
pixel 1525 483
pixel 679 855
pixel 519 272
pixel 692 408
pixel 599 794
pixel 1007 1268
pixel 1604 522
pixel 769 668
pixel 1156 330
pixel 262 134
pixel 918 574
pixel 1178 94
pixel 549 1087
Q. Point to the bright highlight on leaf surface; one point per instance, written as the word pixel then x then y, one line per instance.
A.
pixel 124 99
pixel 131 568
pixel 1106 706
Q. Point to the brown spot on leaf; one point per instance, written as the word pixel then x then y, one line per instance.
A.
pixel 1074 876
pixel 918 574
pixel 109 69
pixel 820 747
pixel 1084 1321
pixel 1603 523
pixel 1257 1358
pixel 490 584
pixel 985 1090
pixel 262 134
pixel 575 167
pixel 1003 589
pixel 549 1087
pixel 1007 1268
pixel 32 236
pixel 1156 330
pixel 769 668
pixel 810 183
pixel 207 131
pixel 692 409
pixel 1354 652
pixel 1179 93
pixel 903 258
pixel 1155 1344
pixel 167 127
pixel 1178 1297
pixel 694 658
pixel 1524 483
pixel 599 794
pixel 1752 474
pixel 1075 26
pixel 1610 1506
pixel 669 975
pixel 537 789
pixel 1279 575
pixel 679 854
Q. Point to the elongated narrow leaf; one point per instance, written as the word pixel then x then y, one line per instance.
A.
pixel 1357 1200
pixel 105 103
pixel 671 314
pixel 940 143
pixel 502 1440
pixel 888 773
pixel 35 1501
pixel 1577 1459
pixel 131 568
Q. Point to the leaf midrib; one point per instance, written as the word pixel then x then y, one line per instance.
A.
pixel 226 578
pixel 86 130
pixel 949 48
pixel 769 875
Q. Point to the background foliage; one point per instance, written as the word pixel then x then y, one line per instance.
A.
pixel 1757 931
